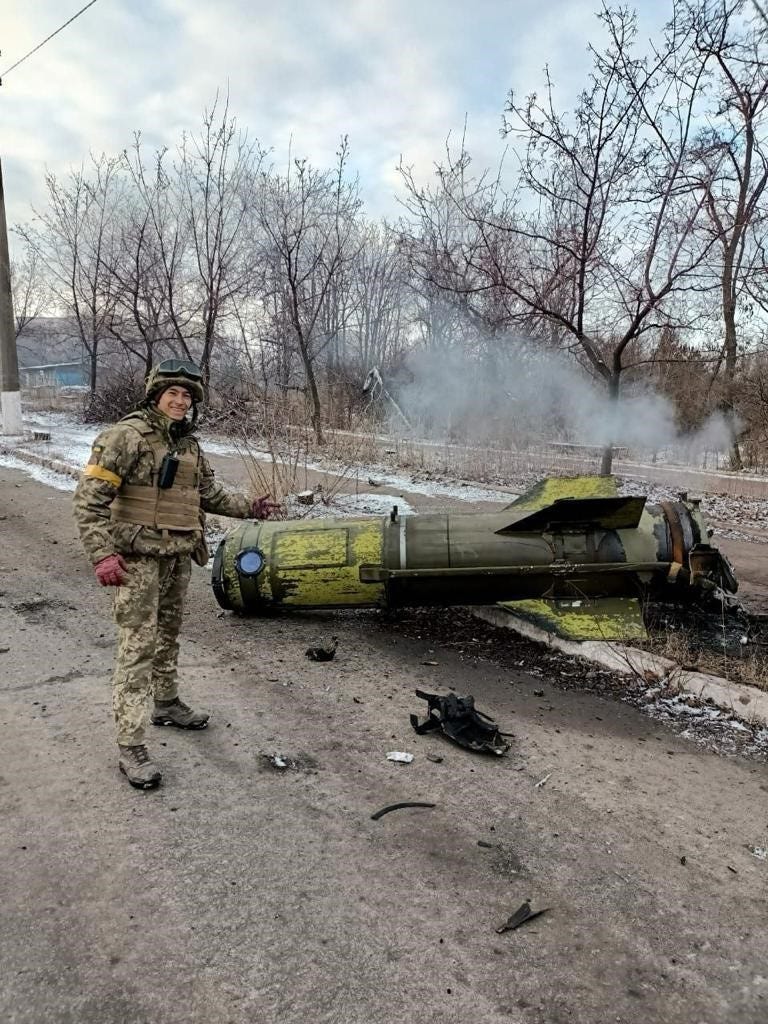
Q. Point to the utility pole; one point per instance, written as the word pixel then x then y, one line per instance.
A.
pixel 10 395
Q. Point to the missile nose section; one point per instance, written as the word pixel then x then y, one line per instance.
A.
pixel 565 539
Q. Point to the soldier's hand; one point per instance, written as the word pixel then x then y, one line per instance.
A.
pixel 263 508
pixel 111 571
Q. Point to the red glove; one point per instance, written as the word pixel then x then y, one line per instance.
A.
pixel 111 571
pixel 263 508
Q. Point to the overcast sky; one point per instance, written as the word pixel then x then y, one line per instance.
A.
pixel 396 76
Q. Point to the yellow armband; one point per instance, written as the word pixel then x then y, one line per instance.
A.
pixel 102 474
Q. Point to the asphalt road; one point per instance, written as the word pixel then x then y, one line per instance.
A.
pixel 238 892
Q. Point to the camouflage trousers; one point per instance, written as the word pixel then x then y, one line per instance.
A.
pixel 148 611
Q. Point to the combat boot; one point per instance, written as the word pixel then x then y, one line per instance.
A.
pixel 136 766
pixel 176 712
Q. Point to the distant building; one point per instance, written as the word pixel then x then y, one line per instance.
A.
pixel 47 340
pixel 70 374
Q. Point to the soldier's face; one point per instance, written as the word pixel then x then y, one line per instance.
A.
pixel 175 402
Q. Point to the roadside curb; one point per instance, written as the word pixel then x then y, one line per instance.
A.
pixel 37 459
pixel 743 702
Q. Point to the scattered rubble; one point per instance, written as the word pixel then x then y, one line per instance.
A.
pixel 278 762
pixel 692 717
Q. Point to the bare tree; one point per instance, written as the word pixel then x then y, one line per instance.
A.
pixel 28 290
pixel 453 279
pixel 307 223
pixel 598 237
pixel 155 293
pixel 217 172
pixel 74 238
pixel 732 164
pixel 380 317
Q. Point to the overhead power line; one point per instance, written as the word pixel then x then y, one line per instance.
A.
pixel 47 39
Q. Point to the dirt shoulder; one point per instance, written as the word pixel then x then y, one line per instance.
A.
pixel 238 892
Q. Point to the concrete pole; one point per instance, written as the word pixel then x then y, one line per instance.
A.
pixel 10 395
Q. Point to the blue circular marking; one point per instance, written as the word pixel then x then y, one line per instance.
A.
pixel 249 562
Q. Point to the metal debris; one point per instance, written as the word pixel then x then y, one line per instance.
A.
pixel 520 916
pixel 397 807
pixel 461 722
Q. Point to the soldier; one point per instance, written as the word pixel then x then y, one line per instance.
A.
pixel 140 508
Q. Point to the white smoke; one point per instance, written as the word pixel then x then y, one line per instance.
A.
pixel 518 394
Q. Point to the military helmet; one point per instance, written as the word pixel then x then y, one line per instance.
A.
pixel 181 372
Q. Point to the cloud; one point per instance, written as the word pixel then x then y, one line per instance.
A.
pixel 395 76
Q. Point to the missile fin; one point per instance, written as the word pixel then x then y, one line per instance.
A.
pixel 607 513
pixel 604 618
pixel 553 488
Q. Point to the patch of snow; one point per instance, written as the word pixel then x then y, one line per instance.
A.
pixel 230 450
pixel 465 492
pixel 370 504
pixel 738 726
pixel 44 476
pixel 346 506
pixel 71 442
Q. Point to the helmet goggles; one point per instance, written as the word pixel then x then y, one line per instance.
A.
pixel 179 368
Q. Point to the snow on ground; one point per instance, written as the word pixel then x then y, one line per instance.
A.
pixel 347 505
pixel 71 442
pixel 44 476
pixel 432 488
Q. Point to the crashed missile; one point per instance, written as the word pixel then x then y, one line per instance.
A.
pixel 571 554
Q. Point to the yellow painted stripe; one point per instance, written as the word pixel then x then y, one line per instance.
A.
pixel 103 474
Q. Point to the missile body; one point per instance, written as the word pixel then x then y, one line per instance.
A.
pixel 567 540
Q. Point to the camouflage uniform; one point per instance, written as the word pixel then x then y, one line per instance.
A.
pixel 147 609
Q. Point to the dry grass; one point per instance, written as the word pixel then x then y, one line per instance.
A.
pixel 748 665
pixel 282 460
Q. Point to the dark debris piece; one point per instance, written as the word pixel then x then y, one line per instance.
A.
pixel 396 807
pixel 520 916
pixel 325 651
pixel 461 722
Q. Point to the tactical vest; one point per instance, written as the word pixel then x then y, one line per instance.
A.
pixel 174 508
